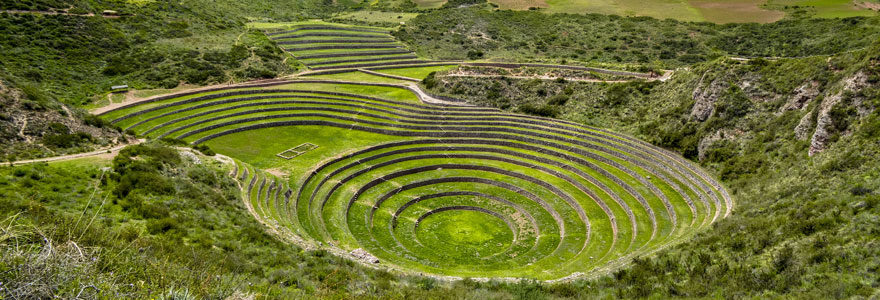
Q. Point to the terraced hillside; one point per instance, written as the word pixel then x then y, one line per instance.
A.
pixel 370 169
pixel 336 46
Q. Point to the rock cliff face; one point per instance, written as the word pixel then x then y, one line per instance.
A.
pixel 841 102
pixel 802 96
pixel 824 125
pixel 849 95
pixel 705 98
pixel 804 127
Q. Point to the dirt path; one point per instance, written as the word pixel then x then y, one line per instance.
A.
pixel 24 123
pixel 666 76
pixel 868 5
pixel 542 77
pixel 68 112
pixel 56 13
pixel 112 150
pixel 430 99
pixel 132 99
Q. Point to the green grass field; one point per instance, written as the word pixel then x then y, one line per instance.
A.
pixel 830 8
pixel 358 76
pixel 417 72
pixel 429 3
pixel 377 16
pixel 447 190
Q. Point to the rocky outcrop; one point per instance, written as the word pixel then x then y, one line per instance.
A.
pixel 24 123
pixel 824 126
pixel 857 83
pixel 825 123
pixel 803 95
pixel 705 99
pixel 709 141
pixel 803 129
pixel 364 256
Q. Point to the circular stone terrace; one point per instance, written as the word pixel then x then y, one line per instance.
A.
pixel 440 189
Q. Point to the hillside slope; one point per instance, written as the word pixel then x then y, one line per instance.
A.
pixel 33 124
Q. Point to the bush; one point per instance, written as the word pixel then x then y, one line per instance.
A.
pixel 870 128
pixel 95 121
pixel 163 225
pixel 475 54
pixel 558 100
pixel 148 182
pixel 459 3
pixel 860 191
pixel 543 110
pixel 204 149
pixel 66 140
pixel 430 81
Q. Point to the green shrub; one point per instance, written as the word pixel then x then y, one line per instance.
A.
pixel 93 120
pixel 475 54
pixel 148 182
pixel 870 127
pixel 159 226
pixel 558 100
pixel 542 110
pixel 458 3
pixel 66 140
pixel 204 149
pixel 430 81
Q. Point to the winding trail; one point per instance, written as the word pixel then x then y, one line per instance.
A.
pixel 111 150
pixel 666 75
pixel 542 77
pixel 56 13
pixel 112 106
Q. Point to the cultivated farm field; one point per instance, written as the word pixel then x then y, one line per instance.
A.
pixel 717 11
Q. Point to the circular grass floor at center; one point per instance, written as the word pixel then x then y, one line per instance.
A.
pixel 462 233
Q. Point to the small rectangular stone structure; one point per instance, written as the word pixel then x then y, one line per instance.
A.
pixel 297 151
pixel 119 88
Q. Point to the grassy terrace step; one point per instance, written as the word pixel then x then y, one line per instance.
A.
pixel 413 72
pixel 352 54
pixel 375 64
pixel 448 190
pixel 391 129
pixel 326 47
pixel 416 66
pixel 334 41
pixel 333 38
pixel 329 34
pixel 343 46
pixel 323 27
pixel 318 62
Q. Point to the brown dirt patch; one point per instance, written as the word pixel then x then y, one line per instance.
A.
pixel 738 11
pixel 520 4
pixel 868 5
pixel 278 172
